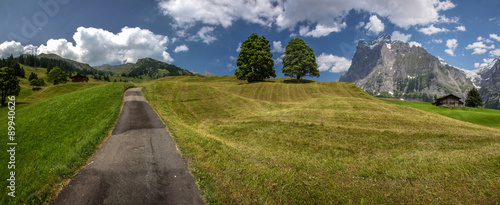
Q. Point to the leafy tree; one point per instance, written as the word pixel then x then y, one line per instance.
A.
pixel 57 76
pixel 9 84
pixel 255 61
pixel 40 82
pixel 299 60
pixel 32 76
pixel 435 97
pixel 473 98
pixel 37 82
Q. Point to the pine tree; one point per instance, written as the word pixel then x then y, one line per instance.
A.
pixel 9 84
pixel 255 61
pixel 299 60
pixel 473 99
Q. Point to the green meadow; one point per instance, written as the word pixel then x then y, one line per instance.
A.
pixel 279 142
pixel 480 116
pixel 57 129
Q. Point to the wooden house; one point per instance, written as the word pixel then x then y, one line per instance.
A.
pixel 448 101
pixel 79 78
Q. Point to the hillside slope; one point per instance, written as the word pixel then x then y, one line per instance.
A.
pixel 148 67
pixel 76 64
pixel 278 142
pixel 56 136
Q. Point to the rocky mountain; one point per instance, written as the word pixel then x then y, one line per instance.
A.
pixel 387 68
pixel 206 73
pixel 490 84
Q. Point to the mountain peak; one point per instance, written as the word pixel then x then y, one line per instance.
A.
pixel 384 38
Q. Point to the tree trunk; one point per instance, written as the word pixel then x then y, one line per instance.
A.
pixel 298 79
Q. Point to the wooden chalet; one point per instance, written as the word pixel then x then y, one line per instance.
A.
pixel 449 100
pixel 79 78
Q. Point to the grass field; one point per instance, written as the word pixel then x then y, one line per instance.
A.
pixel 480 116
pixel 279 142
pixel 56 133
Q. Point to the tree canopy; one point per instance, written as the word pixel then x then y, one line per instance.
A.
pixel 56 76
pixel 473 99
pixel 255 61
pixel 9 84
pixel 299 60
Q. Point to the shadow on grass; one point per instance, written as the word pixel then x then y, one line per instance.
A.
pixel 263 81
pixel 294 81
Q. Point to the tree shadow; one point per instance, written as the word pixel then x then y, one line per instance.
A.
pixel 294 81
pixel 262 81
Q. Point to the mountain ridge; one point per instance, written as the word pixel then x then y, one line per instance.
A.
pixel 387 68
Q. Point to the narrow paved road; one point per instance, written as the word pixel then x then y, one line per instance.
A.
pixel 138 164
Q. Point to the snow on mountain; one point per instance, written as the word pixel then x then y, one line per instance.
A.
pixel 384 38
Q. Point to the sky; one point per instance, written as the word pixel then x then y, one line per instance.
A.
pixel 203 35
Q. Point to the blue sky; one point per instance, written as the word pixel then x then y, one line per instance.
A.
pixel 203 35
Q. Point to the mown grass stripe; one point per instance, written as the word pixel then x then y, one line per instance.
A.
pixel 328 142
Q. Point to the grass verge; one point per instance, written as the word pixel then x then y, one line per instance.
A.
pixel 55 137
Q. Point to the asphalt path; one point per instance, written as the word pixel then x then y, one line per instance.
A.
pixel 138 164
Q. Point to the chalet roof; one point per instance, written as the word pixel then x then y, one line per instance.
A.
pixel 78 75
pixel 449 95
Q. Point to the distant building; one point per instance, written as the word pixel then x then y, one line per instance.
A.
pixel 448 101
pixel 79 78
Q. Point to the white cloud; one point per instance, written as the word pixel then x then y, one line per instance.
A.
pixel 239 47
pixel 460 28
pixel 360 25
pixel 279 59
pixel 321 30
pixel 398 36
pixel 414 43
pixel 15 48
pixel 325 16
pixel 437 40
pixel 277 47
pixel 418 12
pixel 432 30
pixel 486 61
pixel 181 48
pixel 495 36
pixel 479 47
pixel 486 40
pixel 444 19
pixel 444 5
pixel 332 63
pixel 452 45
pixel 375 25
pixel 205 34
pixel 231 66
pixel 495 53
pixel 66 49
pixel 97 46
pixel 221 12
